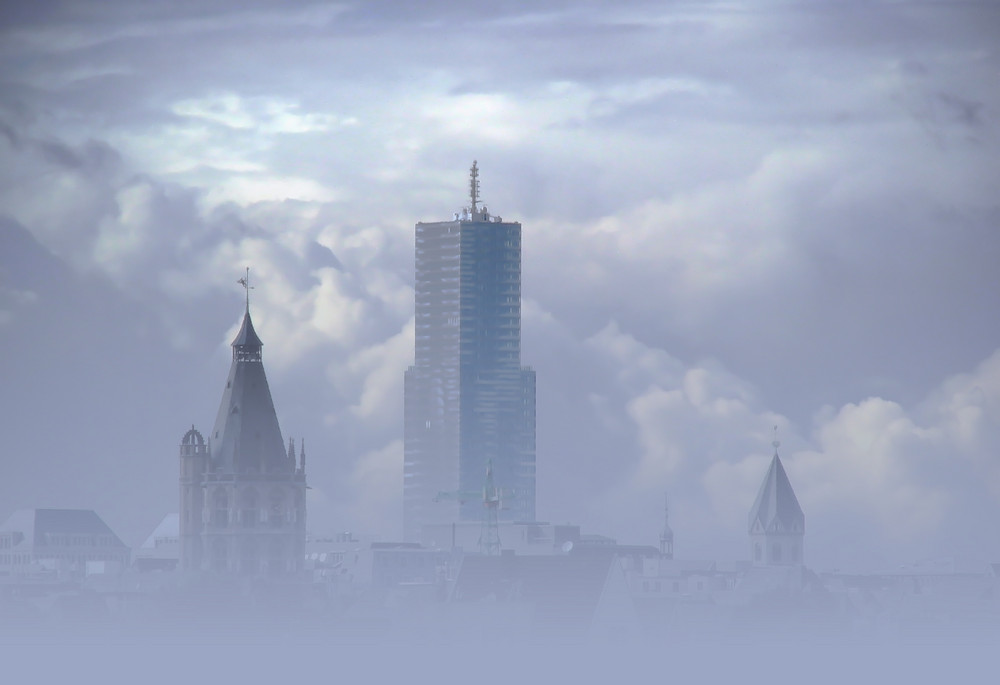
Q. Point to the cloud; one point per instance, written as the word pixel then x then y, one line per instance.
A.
pixel 878 480
pixel 261 115
pixel 376 484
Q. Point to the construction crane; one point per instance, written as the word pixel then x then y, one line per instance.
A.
pixel 489 536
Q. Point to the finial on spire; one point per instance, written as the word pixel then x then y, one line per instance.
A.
pixel 776 442
pixel 245 282
pixel 474 187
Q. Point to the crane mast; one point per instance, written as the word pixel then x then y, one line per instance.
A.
pixel 492 498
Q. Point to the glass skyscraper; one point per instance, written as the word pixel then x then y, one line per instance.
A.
pixel 468 401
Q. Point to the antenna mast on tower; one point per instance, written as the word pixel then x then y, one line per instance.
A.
pixel 474 187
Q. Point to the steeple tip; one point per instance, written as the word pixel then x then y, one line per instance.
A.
pixel 247 344
pixel 245 282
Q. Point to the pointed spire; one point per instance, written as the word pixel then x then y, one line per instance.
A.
pixel 667 534
pixel 776 508
pixel 246 436
pixel 302 455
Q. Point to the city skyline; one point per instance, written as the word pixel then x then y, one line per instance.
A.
pixel 734 218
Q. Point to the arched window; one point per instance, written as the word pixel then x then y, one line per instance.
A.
pixel 756 551
pixel 220 508
pixel 276 508
pixel 776 552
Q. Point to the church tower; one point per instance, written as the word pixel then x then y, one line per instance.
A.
pixel 242 494
pixel 777 524
pixel 667 534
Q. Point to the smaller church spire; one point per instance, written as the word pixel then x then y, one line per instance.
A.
pixel 776 521
pixel 302 455
pixel 667 534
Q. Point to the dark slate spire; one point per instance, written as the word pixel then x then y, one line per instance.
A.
pixel 246 434
pixel 776 509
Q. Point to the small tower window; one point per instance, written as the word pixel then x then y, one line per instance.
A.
pixel 276 515
pixel 220 511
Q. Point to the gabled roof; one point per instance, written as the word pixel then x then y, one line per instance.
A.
pixel 36 524
pixel 168 528
pixel 776 509
pixel 246 433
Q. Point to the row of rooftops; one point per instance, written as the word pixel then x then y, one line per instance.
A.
pixel 45 526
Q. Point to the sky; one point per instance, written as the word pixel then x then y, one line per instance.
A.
pixel 735 216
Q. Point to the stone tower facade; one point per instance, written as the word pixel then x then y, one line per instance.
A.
pixel 242 494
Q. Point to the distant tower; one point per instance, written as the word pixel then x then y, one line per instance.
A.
pixel 194 462
pixel 242 496
pixel 468 401
pixel 667 534
pixel 777 524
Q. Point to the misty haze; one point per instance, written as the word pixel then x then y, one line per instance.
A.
pixel 443 341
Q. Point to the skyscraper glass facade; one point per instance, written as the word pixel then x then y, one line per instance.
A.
pixel 468 401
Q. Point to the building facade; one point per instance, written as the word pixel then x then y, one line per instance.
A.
pixel 467 399
pixel 242 494
pixel 59 544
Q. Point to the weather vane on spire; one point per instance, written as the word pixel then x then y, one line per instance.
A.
pixel 474 186
pixel 776 442
pixel 245 282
